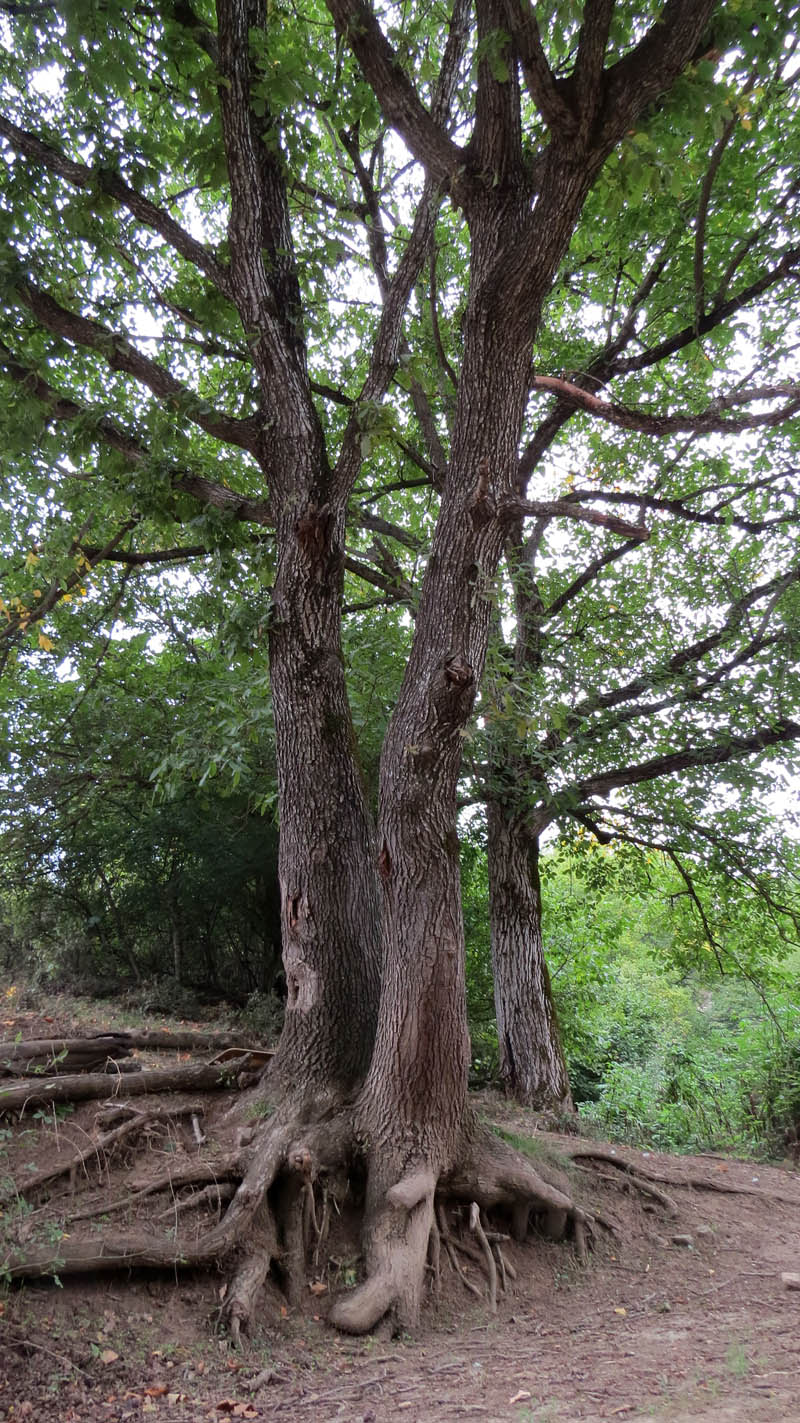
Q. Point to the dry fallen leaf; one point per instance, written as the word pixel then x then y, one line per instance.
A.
pixel 318 1287
pixel 620 1310
pixel 108 1356
pixel 520 1396
pixel 157 1391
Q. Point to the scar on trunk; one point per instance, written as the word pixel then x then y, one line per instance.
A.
pixel 385 863
pixel 301 984
pixel 293 899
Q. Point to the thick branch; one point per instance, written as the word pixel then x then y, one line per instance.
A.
pixel 62 407
pixel 710 421
pixel 539 78
pixel 560 508
pixel 782 731
pixel 648 71
pixel 399 100
pixel 681 510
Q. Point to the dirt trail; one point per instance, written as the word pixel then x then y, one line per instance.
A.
pixel 680 1317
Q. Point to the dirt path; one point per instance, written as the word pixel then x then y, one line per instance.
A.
pixel 681 1315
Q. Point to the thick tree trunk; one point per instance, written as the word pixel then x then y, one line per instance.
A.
pixel 326 867
pixel 326 861
pixel 414 1101
pixel 532 1062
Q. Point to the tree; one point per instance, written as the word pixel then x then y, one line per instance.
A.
pixel 176 341
pixel 694 604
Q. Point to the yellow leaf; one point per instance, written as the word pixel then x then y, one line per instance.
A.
pixel 46 643
pixel 108 1356
pixel 31 558
pixel 620 1310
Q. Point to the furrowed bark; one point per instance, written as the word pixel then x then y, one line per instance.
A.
pixel 326 856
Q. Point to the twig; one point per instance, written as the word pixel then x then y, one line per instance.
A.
pixel 43 1349
pixel 215 1193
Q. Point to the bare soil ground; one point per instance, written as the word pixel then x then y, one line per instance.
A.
pixel 680 1316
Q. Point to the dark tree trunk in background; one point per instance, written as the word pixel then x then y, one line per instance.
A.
pixel 532 1062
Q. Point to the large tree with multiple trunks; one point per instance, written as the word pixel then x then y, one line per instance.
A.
pixel 267 269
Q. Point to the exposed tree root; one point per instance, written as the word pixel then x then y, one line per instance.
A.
pixel 212 1195
pixel 192 1173
pixel 99 1149
pixel 242 1296
pixel 633 1182
pixel 693 1181
pixel 491 1267
pixel 273 1198
pixel 643 1176
pixel 451 1245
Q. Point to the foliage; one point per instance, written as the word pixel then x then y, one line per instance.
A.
pixel 663 1049
pixel 102 878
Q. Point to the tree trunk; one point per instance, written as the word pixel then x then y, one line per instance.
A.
pixel 532 1062
pixel 413 1107
pixel 326 865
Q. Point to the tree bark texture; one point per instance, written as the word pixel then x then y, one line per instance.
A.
pixel 326 865
pixel 532 1062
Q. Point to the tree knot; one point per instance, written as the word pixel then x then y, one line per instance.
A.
pixel 458 671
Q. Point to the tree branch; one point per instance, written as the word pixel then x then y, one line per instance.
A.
pixel 144 559
pixel 561 508
pixel 399 101
pixel 587 576
pixel 61 407
pixel 716 753
pixel 121 355
pixel 105 180
pixel 679 509
pixel 540 81
pixel 710 421
pixel 640 78
pixel 786 267
pixel 592 44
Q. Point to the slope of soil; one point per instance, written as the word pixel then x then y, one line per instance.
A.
pixel 678 1316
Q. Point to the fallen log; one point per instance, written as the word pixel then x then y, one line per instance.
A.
pixel 191 1077
pixel 111 1043
pixel 63 1055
